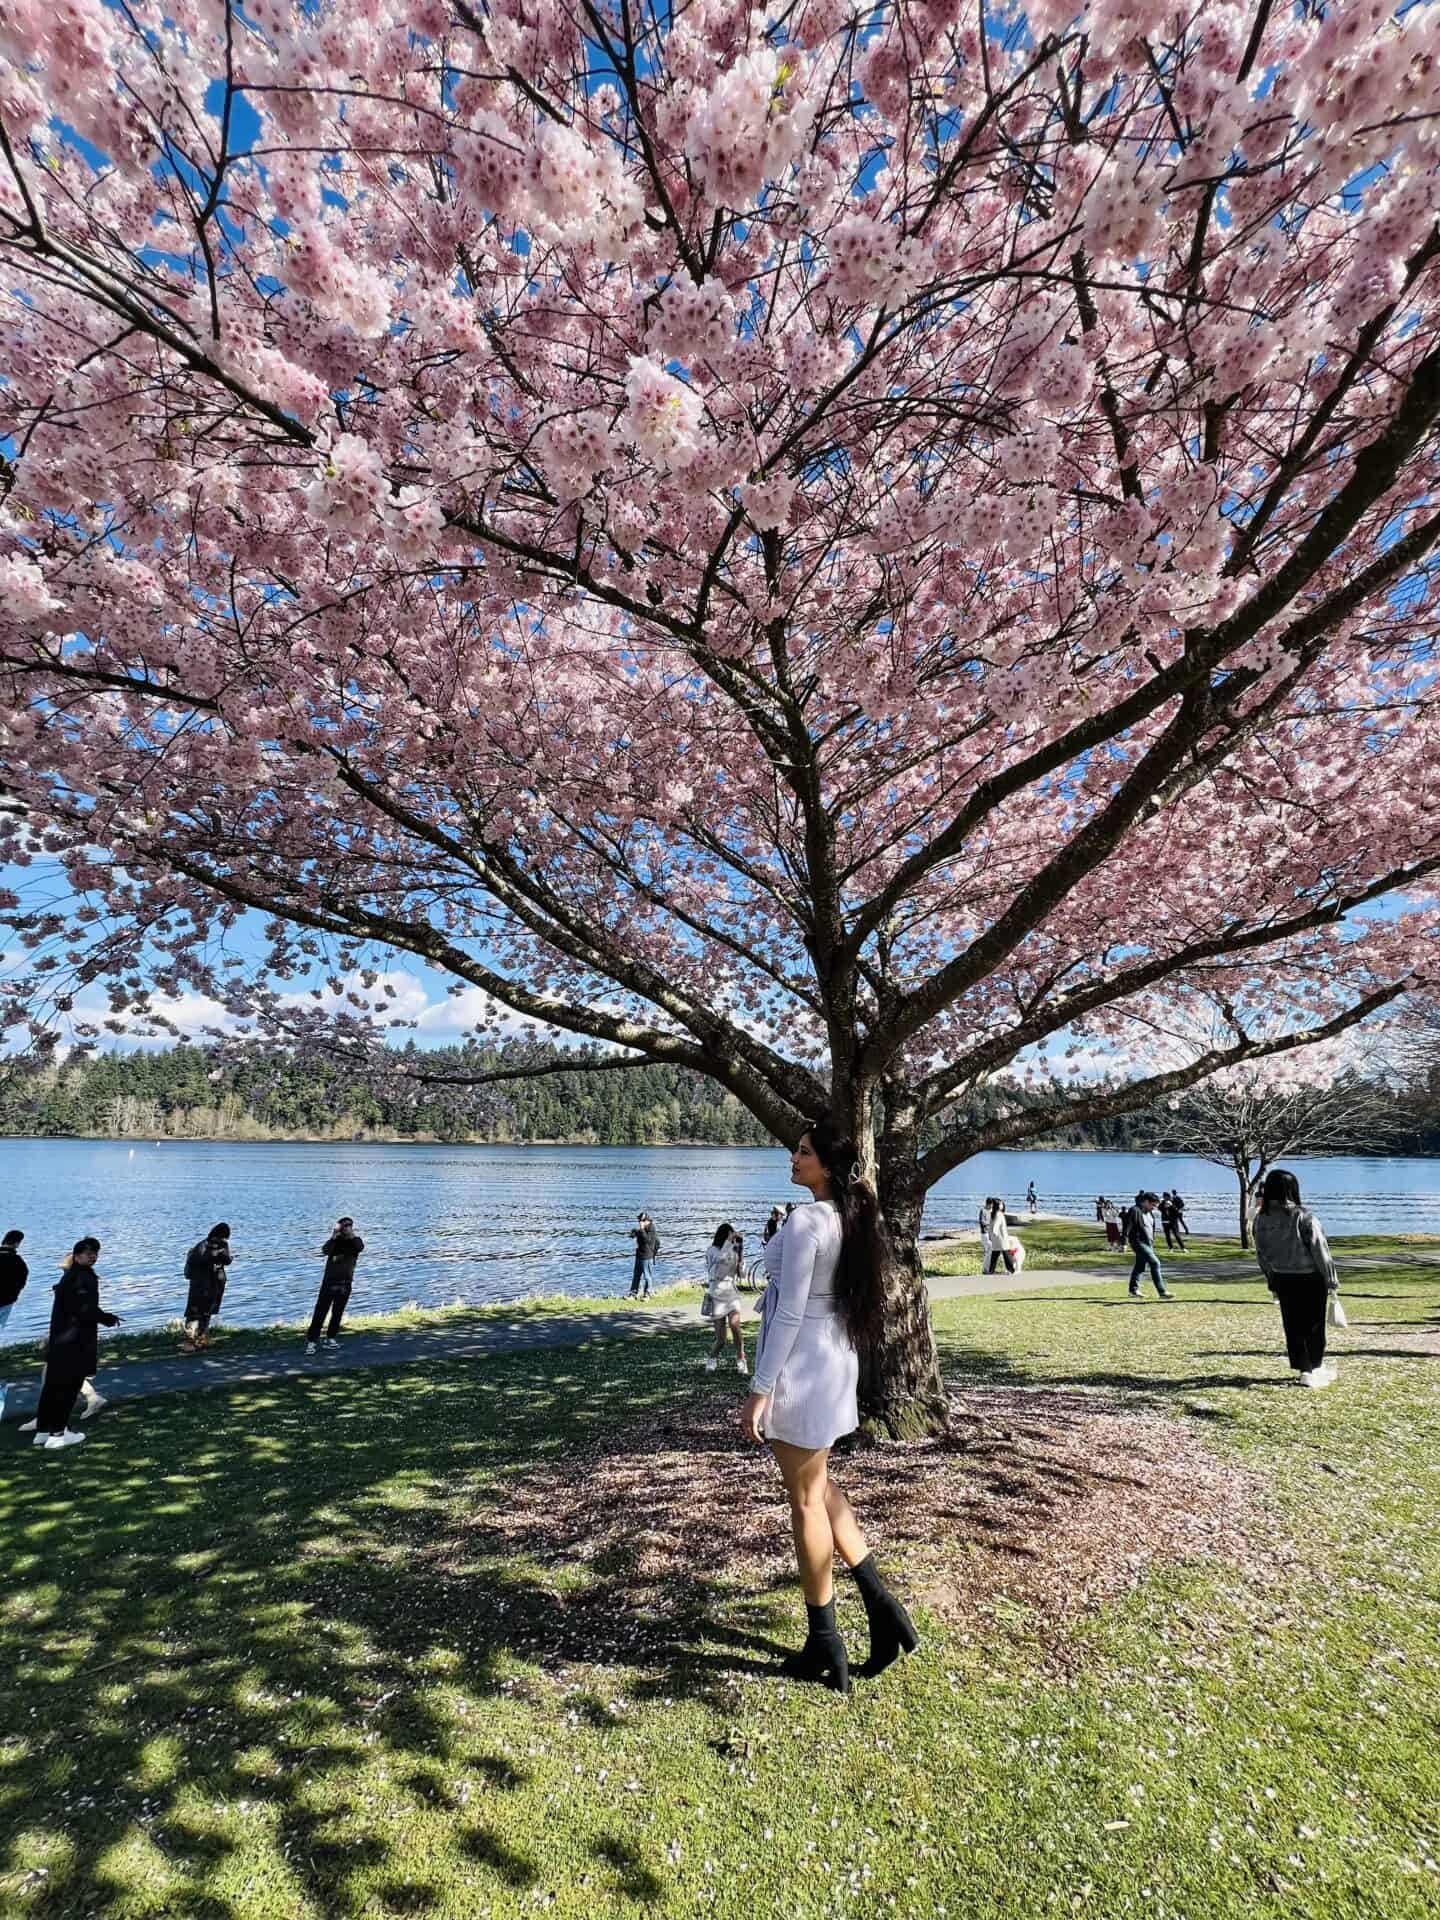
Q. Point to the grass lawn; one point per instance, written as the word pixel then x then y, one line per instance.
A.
pixel 160 1342
pixel 342 1646
pixel 1065 1243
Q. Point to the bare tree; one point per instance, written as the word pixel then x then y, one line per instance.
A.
pixel 1248 1122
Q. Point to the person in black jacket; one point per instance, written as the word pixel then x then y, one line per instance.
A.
pixel 341 1251
pixel 13 1275
pixel 205 1266
pixel 647 1247
pixel 72 1352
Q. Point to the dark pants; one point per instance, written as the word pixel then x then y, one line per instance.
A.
pixel 1303 1299
pixel 997 1256
pixel 59 1391
pixel 200 1322
pixel 332 1300
pixel 1145 1257
pixel 1173 1236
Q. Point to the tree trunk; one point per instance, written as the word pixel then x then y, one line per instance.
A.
pixel 1244 1211
pixel 902 1396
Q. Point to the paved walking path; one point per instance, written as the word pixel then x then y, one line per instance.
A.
pixel 478 1340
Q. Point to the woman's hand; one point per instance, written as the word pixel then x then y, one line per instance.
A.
pixel 751 1415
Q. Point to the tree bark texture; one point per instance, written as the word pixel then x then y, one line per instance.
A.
pixel 902 1396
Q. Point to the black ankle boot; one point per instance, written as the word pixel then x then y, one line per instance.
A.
pixel 823 1656
pixel 892 1632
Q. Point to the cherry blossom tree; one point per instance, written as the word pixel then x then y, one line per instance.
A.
pixel 852 551
pixel 1250 1118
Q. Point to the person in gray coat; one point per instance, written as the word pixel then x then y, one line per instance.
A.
pixel 1290 1247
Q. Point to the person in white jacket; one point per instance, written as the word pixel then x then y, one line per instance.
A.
pixel 824 1301
pixel 997 1239
pixel 722 1283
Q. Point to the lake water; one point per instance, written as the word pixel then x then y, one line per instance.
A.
pixel 485 1224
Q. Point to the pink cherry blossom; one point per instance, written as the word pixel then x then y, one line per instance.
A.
pixel 853 552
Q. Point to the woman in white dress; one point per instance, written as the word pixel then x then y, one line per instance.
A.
pixel 823 1301
pixel 722 1283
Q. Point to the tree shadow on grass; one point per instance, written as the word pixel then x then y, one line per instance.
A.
pixel 219 1612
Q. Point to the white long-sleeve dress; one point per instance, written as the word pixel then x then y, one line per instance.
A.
pixel 722 1268
pixel 805 1362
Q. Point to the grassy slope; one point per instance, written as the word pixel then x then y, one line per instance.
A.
pixel 237 1681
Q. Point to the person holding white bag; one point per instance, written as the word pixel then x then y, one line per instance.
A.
pixel 1291 1249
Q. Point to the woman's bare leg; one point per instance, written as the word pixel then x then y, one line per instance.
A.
pixel 803 1469
pixel 737 1327
pixel 720 1337
pixel 844 1527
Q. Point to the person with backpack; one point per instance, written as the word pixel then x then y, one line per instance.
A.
pixel 1140 1233
pixel 205 1276
pixel 647 1251
pixel 1292 1253
pixel 72 1351
pixel 341 1251
pixel 1170 1221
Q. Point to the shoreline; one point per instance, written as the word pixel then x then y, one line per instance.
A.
pixel 578 1145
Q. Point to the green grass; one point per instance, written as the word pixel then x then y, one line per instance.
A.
pixel 1065 1243
pixel 161 1342
pixel 253 1663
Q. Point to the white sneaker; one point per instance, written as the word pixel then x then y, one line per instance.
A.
pixel 711 1363
pixel 326 1341
pixel 1323 1376
pixel 26 1426
pixel 40 1438
pixel 55 1441
pixel 742 1368
pixel 93 1405
pixel 309 1348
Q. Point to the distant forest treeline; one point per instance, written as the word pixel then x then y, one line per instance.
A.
pixel 187 1092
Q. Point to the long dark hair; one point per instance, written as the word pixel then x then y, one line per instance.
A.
pixel 1281 1189
pixel 859 1298
pixel 723 1233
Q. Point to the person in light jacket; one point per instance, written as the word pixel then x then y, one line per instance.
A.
pixel 722 1274
pixel 997 1239
pixel 824 1302
pixel 1291 1249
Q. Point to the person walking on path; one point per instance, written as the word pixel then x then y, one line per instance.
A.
pixel 1293 1255
pixel 1032 1198
pixel 205 1276
pixel 72 1352
pixel 997 1239
pixel 647 1249
pixel 1142 1240
pixel 1170 1221
pixel 722 1274
pixel 823 1303
pixel 13 1275
pixel 341 1251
